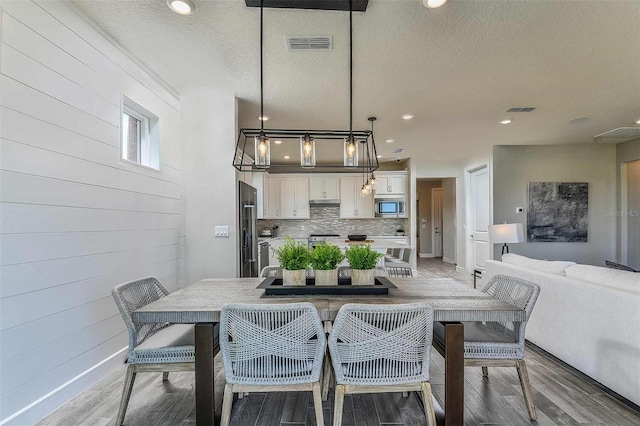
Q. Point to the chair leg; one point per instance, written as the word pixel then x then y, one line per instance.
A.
pixel 485 371
pixel 227 402
pixel 429 410
pixel 317 403
pixel 338 406
pixel 326 376
pixel 165 376
pixel 521 366
pixel 129 378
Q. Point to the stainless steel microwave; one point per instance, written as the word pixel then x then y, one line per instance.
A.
pixel 390 208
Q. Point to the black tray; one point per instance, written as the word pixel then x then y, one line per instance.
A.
pixel 273 287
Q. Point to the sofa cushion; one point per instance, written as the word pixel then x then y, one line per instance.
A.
pixel 610 277
pixel 552 266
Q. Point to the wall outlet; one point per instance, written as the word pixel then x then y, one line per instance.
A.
pixel 221 231
pixel 302 227
pixel 519 210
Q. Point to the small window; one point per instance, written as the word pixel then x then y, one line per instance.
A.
pixel 139 135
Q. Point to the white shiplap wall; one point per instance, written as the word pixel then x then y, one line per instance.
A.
pixel 74 220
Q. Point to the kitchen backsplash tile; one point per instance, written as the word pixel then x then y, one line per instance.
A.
pixel 325 220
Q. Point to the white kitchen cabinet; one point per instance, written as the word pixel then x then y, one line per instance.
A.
pixel 294 198
pixel 321 188
pixel 352 205
pixel 271 198
pixel 391 183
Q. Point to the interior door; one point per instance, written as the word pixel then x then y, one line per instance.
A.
pixel 480 215
pixel 437 222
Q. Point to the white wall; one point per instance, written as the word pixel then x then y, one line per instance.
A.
pixel 210 183
pixel 515 166
pixel 75 220
pixel 627 153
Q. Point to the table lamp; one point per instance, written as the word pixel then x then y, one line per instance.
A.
pixel 506 233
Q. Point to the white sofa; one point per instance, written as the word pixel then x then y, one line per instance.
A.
pixel 594 327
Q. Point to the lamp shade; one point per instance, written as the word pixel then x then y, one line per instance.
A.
pixel 506 233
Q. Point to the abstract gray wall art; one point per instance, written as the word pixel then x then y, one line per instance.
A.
pixel 558 212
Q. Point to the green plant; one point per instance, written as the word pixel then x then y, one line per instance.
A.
pixel 326 256
pixel 292 256
pixel 360 256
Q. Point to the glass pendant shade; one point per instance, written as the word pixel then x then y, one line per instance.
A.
pixel 307 151
pixel 263 151
pixel 372 182
pixel 350 152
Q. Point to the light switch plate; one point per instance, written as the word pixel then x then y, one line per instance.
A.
pixel 221 231
pixel 519 209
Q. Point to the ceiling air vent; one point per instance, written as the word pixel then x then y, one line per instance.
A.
pixel 309 42
pixel 398 150
pixel 621 134
pixel 520 109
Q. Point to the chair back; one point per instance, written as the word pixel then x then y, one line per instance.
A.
pixel 406 255
pixel 517 292
pixel 134 295
pixel 272 344
pixel 381 344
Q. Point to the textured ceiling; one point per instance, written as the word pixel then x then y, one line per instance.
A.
pixel 457 68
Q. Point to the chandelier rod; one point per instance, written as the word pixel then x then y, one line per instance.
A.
pixel 261 72
pixel 351 67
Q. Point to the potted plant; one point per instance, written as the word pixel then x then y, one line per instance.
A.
pixel 324 260
pixel 294 260
pixel 362 261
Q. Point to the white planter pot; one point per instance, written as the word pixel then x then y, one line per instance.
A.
pixel 297 277
pixel 326 277
pixel 362 277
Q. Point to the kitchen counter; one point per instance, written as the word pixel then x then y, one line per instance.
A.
pixel 376 244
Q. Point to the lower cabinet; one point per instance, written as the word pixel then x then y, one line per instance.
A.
pixel 352 204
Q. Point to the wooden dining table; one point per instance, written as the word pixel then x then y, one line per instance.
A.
pixel 453 303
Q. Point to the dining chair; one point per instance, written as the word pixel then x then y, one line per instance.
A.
pixel 158 347
pixel 271 348
pixel 393 254
pixel 382 348
pixel 404 262
pixel 499 344
pixel 345 272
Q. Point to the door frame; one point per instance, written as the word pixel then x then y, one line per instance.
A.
pixel 468 247
pixel 624 219
pixel 433 222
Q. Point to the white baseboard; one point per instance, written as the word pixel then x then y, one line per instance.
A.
pixel 64 393
pixel 447 260
pixel 461 269
pixel 425 255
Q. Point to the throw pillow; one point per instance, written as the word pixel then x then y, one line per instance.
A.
pixel 615 265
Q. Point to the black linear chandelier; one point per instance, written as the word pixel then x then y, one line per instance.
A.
pixel 253 148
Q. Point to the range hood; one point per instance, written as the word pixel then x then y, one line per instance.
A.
pixel 325 202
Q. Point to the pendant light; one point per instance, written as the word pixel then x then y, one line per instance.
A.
pixel 263 146
pixel 350 144
pixel 307 151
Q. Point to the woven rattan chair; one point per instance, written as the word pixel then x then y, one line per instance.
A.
pixel 152 347
pixel 345 272
pixel 272 348
pixel 497 344
pixel 382 348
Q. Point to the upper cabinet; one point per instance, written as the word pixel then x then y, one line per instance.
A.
pixel 352 205
pixel 391 183
pixel 323 188
pixel 286 197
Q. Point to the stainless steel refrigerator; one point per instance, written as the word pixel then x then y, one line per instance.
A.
pixel 247 208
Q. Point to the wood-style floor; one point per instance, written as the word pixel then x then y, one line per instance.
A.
pixel 561 397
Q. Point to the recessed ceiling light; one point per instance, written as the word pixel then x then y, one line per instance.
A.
pixel 637 121
pixel 263 117
pixel 379 156
pixel 181 7
pixel 432 4
pixel 505 121
pixel 390 141
pixel 277 142
pixel 286 157
pixel 407 116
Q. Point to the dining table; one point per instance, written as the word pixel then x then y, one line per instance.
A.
pixel 453 304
